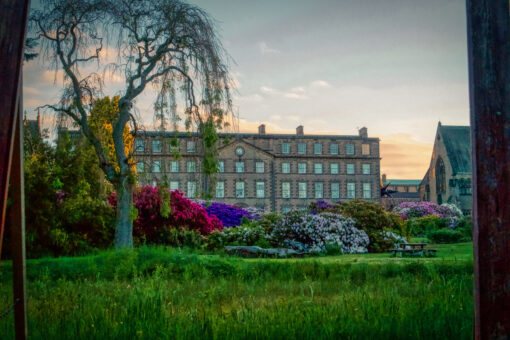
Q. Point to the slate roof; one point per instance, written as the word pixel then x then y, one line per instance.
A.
pixel 457 141
pixel 403 182
pixel 408 195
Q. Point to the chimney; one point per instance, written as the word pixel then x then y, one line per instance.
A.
pixel 299 130
pixel 383 178
pixel 363 133
pixel 262 129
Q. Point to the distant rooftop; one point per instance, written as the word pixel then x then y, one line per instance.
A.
pixel 403 182
pixel 457 141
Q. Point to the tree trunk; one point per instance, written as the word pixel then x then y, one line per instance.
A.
pixel 124 223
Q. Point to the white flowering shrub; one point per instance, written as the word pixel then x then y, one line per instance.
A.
pixel 391 237
pixel 305 232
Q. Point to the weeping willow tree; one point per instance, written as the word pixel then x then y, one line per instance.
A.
pixel 166 46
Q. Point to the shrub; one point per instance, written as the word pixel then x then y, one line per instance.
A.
pixel 306 232
pixel 178 237
pixel 421 209
pixel 322 206
pixel 238 236
pixel 465 226
pixel 373 219
pixel 183 213
pixel 445 235
pixel 421 226
pixel 229 215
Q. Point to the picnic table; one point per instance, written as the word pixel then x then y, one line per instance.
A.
pixel 412 249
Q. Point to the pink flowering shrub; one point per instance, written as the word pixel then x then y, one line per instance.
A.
pixel 183 213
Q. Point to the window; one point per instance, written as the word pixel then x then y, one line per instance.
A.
pixel 240 189
pixel 301 168
pixel 334 168
pixel 365 149
pixel 335 190
pixel 286 189
pixel 351 190
pixel 192 166
pixel 174 166
pixel 260 189
pixel 367 190
pixel 259 167
pixel 174 146
pixel 286 209
pixel 333 149
pixel 285 148
pixel 301 148
pixel 221 166
pixel 192 189
pixel 366 169
pixel 317 148
pixel 140 167
pixel 319 186
pixel 302 189
pixel 190 146
pixel 220 189
pixel 239 167
pixel 285 168
pixel 139 145
pixel 317 168
pixel 156 166
pixel 350 169
pixel 349 149
pixel 156 146
pixel 174 185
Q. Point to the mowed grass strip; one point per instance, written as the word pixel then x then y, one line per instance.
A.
pixel 165 293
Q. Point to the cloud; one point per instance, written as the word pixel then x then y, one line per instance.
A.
pixel 266 50
pixel 403 157
pixel 320 84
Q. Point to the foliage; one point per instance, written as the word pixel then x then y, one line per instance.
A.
pixel 306 232
pixel 164 293
pixel 421 209
pixel 319 206
pixel 229 215
pixel 445 235
pixel 178 237
pixel 465 226
pixel 421 226
pixel 65 209
pixel 104 112
pixel 373 219
pixel 238 236
pixel 182 213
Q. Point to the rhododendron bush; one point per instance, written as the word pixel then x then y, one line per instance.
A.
pixel 182 213
pixel 422 209
pixel 229 215
pixel 306 232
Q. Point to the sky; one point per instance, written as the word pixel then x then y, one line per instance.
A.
pixel 395 66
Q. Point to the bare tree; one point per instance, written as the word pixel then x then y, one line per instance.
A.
pixel 168 44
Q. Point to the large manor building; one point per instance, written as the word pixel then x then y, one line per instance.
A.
pixel 276 172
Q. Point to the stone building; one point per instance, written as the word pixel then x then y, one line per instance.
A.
pixel 406 191
pixel 277 172
pixel 448 179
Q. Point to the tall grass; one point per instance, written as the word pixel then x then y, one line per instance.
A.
pixel 165 293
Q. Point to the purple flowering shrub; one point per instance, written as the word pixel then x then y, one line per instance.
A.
pixel 229 215
pixel 322 206
pixel 307 232
pixel 421 209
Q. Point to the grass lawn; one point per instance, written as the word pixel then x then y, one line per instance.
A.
pixel 165 293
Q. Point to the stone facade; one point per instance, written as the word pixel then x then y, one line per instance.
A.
pixel 448 179
pixel 276 172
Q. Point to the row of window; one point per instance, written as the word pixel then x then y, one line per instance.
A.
pixel 157 147
pixel 302 168
pixel 260 189
pixel 318 148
